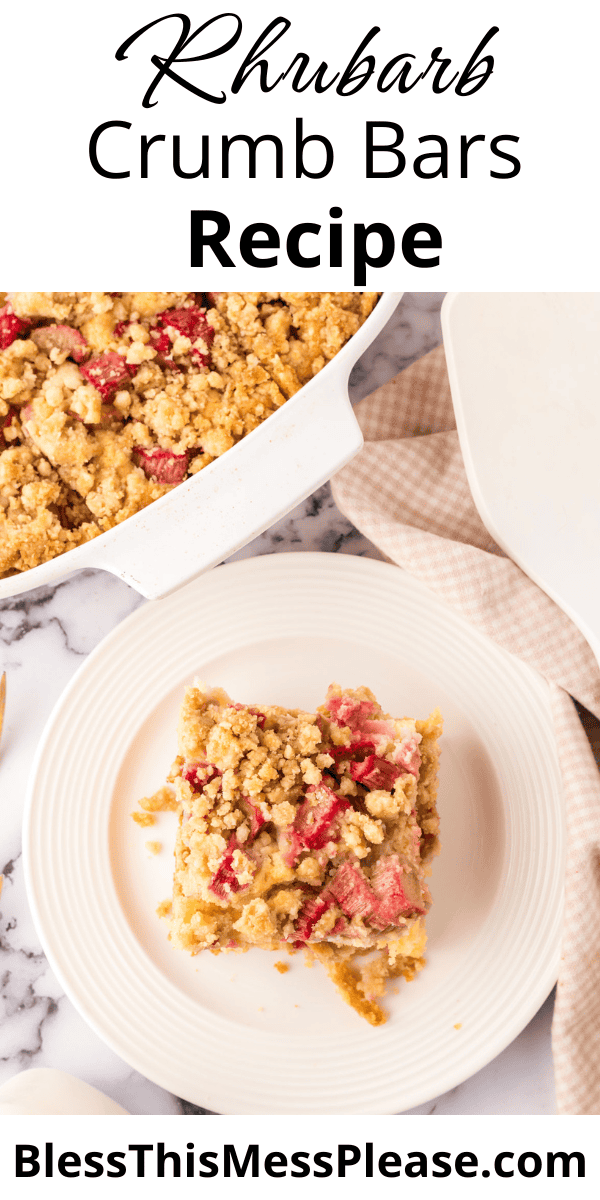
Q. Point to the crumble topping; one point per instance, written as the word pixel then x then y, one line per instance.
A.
pixel 110 399
pixel 307 831
pixel 142 818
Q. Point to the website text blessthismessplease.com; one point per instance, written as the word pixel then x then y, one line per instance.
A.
pixel 157 1161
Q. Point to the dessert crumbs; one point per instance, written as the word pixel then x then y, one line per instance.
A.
pixel 163 800
pixel 282 967
pixel 153 847
pixel 142 818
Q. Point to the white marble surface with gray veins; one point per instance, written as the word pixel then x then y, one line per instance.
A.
pixel 44 636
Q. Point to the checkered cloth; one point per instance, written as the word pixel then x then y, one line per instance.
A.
pixel 408 492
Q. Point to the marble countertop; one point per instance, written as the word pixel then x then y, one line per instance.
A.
pixel 45 635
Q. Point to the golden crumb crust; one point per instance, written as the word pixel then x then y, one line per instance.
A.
pixel 306 831
pixel 108 400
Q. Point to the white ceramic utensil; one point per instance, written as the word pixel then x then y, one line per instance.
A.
pixel 524 372
pixel 43 1091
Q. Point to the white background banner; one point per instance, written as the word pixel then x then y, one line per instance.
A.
pixel 489 182
pixel 252 1157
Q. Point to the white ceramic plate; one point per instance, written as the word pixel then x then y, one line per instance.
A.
pixel 228 1032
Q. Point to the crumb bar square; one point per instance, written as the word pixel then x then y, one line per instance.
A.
pixel 307 831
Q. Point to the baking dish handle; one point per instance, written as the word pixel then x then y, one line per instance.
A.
pixel 210 516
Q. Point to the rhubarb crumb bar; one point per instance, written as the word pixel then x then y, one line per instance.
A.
pixel 110 399
pixel 307 831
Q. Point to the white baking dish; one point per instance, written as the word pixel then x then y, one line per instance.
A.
pixel 238 496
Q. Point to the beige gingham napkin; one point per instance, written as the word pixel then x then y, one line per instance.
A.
pixel 408 492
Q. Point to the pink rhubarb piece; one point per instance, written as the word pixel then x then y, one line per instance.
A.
pixel 161 343
pixel 10 326
pixel 352 891
pixel 408 755
pixel 162 465
pixel 256 815
pixel 260 717
pixel 63 338
pixel 369 733
pixel 310 915
pixel 191 323
pixel 198 774
pixel 375 773
pixel 314 823
pixel 108 372
pixel 225 882
pixel 397 891
pixel 358 716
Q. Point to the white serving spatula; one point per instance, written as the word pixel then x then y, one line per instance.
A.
pixel 524 372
